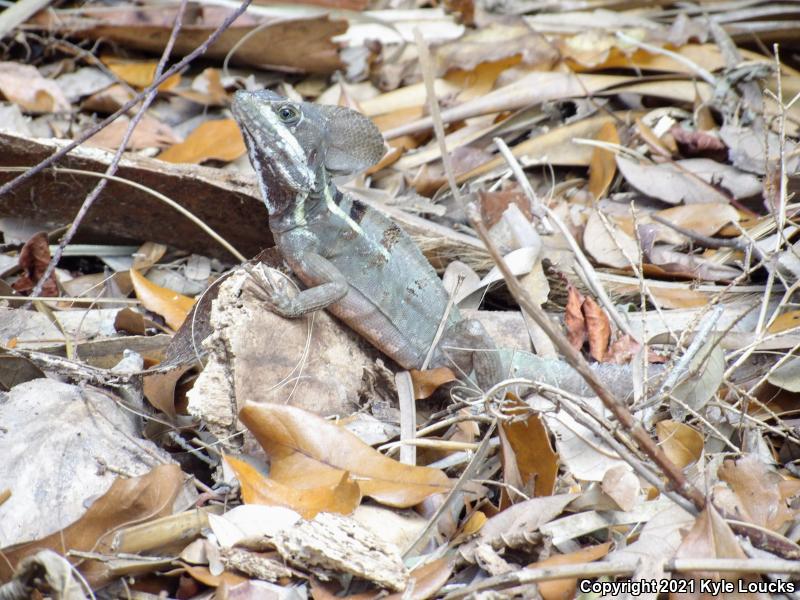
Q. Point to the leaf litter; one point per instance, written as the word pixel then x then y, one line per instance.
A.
pixel 636 165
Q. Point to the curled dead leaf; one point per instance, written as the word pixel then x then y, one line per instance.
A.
pixel 342 498
pixel 305 449
pixel 171 305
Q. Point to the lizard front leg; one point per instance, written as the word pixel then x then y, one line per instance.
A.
pixel 330 286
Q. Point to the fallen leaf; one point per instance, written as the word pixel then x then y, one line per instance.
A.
pixel 682 444
pixel 598 329
pixel 218 139
pixel 603 166
pixel 699 143
pixel 564 589
pixel 172 306
pixel 149 133
pixel 428 381
pixel 691 181
pixel 622 351
pixel 129 321
pixel 757 490
pixel 494 42
pixel 139 74
pixel 787 375
pixel 574 320
pixel 622 486
pixel 711 537
pixel 529 462
pixel 704 219
pixel 24 86
pixel 33 260
pixel 207 89
pixel 608 244
pixel 785 322
pixel 426 580
pixel 343 498
pixel 159 388
pixel 307 451
pixel 127 502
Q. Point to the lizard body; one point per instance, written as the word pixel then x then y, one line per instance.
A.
pixel 355 261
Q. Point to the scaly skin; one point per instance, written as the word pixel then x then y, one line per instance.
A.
pixel 354 261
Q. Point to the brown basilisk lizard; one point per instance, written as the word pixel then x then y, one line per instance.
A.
pixel 355 261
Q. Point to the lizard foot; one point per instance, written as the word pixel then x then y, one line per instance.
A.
pixel 271 292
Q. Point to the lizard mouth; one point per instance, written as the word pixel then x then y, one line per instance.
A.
pixel 270 143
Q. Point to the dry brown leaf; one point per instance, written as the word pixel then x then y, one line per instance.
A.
pixel 171 305
pixel 598 328
pixel 129 321
pixel 555 145
pixel 785 322
pixel 497 41
pixel 699 143
pixel 159 388
pixel 108 100
pixel 691 181
pixel 33 260
pixel 682 444
pixel 529 462
pixel 574 320
pixel 139 74
pixel 704 219
pixel 213 140
pixel 603 165
pixel 711 537
pixel 564 589
pixel 706 55
pixel 691 266
pixel 428 381
pixel 342 498
pixel 207 89
pixel 24 86
pixel 664 146
pixel 307 451
pixel 622 486
pixel 609 244
pixel 758 493
pixel 127 502
pixel 149 133
pixel 427 580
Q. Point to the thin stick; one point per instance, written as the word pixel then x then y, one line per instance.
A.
pixel 114 164
pixel 577 362
pixel 433 106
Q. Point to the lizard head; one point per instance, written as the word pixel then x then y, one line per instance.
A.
pixel 295 145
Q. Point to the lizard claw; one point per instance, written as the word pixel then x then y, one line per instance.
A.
pixel 269 291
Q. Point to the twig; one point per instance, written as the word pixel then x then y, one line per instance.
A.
pixel 536 205
pixel 712 242
pixel 114 163
pixel 466 476
pixel 433 106
pixel 577 362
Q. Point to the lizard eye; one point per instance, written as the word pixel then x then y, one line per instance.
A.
pixel 288 113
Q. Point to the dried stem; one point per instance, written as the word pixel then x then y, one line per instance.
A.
pixel 577 362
